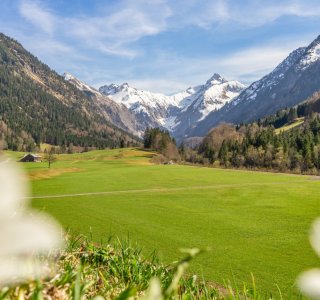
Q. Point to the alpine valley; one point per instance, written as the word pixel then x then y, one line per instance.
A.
pixel 71 111
pixel 175 113
pixel 198 109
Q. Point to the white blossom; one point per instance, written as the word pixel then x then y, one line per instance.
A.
pixel 309 281
pixel 24 233
pixel 154 291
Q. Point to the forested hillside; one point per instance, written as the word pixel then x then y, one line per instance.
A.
pixel 38 106
pixel 288 141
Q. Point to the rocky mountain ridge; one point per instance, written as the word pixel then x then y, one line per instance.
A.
pixel 176 112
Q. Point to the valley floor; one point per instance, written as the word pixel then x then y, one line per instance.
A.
pixel 253 222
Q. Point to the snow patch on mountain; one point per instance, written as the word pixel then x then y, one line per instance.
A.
pixel 270 80
pixel 214 94
pixel 217 92
pixel 311 55
pixel 183 99
pixel 130 96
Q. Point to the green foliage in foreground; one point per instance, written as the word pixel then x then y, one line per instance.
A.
pixel 119 271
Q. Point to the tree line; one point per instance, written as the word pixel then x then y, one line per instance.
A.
pixel 261 145
pixel 254 146
pixel 160 140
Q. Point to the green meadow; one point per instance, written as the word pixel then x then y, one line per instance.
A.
pixel 251 222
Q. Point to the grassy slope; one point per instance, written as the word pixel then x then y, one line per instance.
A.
pixel 254 222
pixel 297 122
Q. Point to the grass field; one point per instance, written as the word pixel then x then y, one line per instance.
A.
pixel 253 222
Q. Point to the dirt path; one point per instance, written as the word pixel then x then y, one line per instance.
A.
pixel 202 187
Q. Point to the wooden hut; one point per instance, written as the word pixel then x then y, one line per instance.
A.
pixel 31 158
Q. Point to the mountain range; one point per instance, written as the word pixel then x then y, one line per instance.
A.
pixel 291 82
pixel 138 109
pixel 196 110
pixel 71 111
pixel 176 112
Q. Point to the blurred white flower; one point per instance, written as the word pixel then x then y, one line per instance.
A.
pixel 309 281
pixel 154 291
pixel 315 236
pixel 24 234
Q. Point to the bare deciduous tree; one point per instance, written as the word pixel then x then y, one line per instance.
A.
pixel 50 157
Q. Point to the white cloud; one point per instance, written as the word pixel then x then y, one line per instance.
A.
pixel 247 65
pixel 251 13
pixel 115 30
pixel 52 46
pixel 38 16
pixel 158 85
pixel 255 61
pixel 204 15
pixel 258 14
pixel 111 32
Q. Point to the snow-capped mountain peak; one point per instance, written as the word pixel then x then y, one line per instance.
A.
pixel 217 92
pixel 178 111
pixel 115 113
pixel 67 76
pixel 130 96
pixel 165 110
pixel 159 110
pixel 80 85
pixel 216 79
pixel 204 99
pixel 113 88
pixel 311 54
pixel 110 89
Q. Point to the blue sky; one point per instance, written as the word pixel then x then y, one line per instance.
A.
pixel 161 45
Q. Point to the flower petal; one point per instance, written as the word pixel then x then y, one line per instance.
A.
pixel 309 283
pixel 13 188
pixel 25 235
pixel 154 291
pixel 29 234
pixel 315 236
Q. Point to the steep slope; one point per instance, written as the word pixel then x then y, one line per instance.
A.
pixel 38 105
pixel 116 113
pixel 294 80
pixel 179 111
